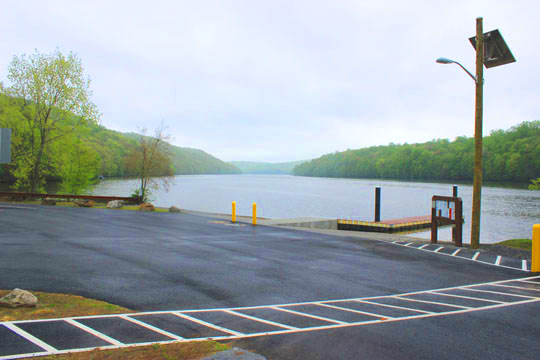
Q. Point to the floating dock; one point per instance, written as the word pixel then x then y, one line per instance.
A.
pixel 387 226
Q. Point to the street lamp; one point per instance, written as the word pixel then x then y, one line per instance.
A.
pixel 494 53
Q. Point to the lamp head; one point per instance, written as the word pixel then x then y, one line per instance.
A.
pixel 442 60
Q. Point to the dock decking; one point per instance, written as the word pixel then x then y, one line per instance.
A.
pixel 387 226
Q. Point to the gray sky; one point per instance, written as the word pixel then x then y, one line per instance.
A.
pixel 286 80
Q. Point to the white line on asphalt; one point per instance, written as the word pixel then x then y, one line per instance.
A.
pixel 207 324
pixel 88 329
pixel 524 265
pixel 354 311
pixel 423 246
pixel 498 260
pixel 456 252
pixel 17 330
pixel 395 307
pixel 500 293
pixel 152 328
pixel 232 312
pixel 530 282
pixel 431 302
pixel 439 249
pixel 308 315
pixel 409 244
pixel 515 287
pixel 468 297
pixel 476 255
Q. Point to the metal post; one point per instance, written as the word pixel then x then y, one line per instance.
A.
pixel 454 191
pixel 477 182
pixel 233 212
pixel 377 204
pixel 454 194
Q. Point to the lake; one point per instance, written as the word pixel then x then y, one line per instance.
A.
pixel 506 213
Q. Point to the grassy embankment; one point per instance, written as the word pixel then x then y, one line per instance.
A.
pixel 522 244
pixel 61 305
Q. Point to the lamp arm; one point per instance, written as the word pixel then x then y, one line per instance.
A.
pixel 467 71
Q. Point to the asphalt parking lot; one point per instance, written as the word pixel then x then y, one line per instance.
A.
pixel 189 265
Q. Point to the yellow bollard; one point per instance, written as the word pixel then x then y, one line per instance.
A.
pixel 234 211
pixel 535 256
pixel 254 214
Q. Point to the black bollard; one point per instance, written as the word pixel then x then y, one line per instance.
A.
pixel 377 204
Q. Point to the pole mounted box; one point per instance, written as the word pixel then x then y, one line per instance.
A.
pixel 5 146
pixel 496 52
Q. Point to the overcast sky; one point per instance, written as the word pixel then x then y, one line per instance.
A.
pixel 287 80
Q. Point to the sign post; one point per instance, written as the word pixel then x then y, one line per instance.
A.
pixel 447 210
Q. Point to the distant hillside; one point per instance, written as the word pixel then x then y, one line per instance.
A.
pixel 509 155
pixel 251 167
pixel 188 161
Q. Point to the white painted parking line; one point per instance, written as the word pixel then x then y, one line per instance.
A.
pixel 500 293
pixel 423 246
pixel 530 282
pixel 439 249
pixel 17 330
pixel 102 336
pixel 516 287
pixel 476 255
pixel 431 302
pixel 308 315
pixel 498 260
pixel 456 252
pixel 150 327
pixel 468 297
pixel 232 312
pixel 207 324
pixel 354 311
pixel 409 244
pixel 395 307
pixel 524 265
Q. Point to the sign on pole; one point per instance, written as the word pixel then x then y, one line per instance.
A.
pixel 5 146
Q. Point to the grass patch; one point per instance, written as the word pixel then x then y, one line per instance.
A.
pixel 177 351
pixel 52 305
pixel 523 244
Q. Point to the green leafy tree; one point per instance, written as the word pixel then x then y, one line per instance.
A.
pixel 78 166
pixel 535 184
pixel 150 161
pixel 51 88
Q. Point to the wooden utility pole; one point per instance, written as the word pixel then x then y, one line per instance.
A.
pixel 477 182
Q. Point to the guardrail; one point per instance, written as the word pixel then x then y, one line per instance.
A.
pixel 24 196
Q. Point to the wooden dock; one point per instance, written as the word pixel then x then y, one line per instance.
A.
pixel 387 226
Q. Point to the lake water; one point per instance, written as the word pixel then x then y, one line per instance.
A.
pixel 506 213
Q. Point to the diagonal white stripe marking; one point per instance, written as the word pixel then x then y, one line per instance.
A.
pixel 232 312
pixel 308 315
pixel 17 330
pixel 96 333
pixel 530 282
pixel 395 307
pixel 468 297
pixel 456 252
pixel 150 327
pixel 439 249
pixel 476 255
pixel 354 311
pixel 423 246
pixel 409 244
pixel 498 260
pixel 207 324
pixel 524 265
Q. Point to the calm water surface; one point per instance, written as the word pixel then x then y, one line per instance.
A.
pixel 506 213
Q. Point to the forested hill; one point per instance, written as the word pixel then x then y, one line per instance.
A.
pixel 110 146
pixel 252 167
pixel 509 155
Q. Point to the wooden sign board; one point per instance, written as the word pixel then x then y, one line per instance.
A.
pixel 447 210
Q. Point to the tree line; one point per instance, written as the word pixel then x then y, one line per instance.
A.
pixel 57 137
pixel 509 155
